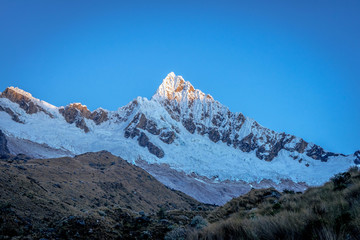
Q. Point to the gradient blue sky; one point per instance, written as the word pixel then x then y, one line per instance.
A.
pixel 293 66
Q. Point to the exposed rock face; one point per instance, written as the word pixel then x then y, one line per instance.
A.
pixel 73 111
pixel 176 88
pixel 131 130
pixel 128 110
pixel 144 142
pixel 148 125
pixel 214 135
pixel 141 122
pixel 14 116
pixel 246 144
pixel 157 151
pixel 99 116
pixel 3 144
pixel 76 113
pixel 357 155
pixel 167 137
pixel 301 146
pixel 189 125
pixel 318 153
pixel 24 99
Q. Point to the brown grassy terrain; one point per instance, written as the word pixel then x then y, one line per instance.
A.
pixel 100 196
pixel 328 212
pixel 90 196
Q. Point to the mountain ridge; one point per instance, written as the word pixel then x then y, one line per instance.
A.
pixel 179 126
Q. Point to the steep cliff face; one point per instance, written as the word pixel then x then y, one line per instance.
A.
pixel 180 127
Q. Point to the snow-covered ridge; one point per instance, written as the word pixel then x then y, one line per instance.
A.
pixel 180 126
pixel 17 91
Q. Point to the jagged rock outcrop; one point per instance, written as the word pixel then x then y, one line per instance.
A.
pixel 318 153
pixel 144 142
pixel 141 122
pixel 24 99
pixel 14 116
pixel 99 116
pixel 301 146
pixel 357 155
pixel 148 125
pixel 167 137
pixel 77 113
pixel 189 125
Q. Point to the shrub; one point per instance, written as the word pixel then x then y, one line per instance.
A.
pixel 176 234
pixel 161 213
pixel 340 180
pixel 198 222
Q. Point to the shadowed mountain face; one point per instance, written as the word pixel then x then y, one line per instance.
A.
pixel 36 193
pixel 181 128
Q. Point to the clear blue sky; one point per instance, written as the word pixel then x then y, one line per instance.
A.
pixel 293 66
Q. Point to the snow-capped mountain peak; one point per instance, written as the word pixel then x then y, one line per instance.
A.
pixel 180 127
pixel 176 88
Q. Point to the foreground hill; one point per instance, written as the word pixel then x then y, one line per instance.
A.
pixel 100 196
pixel 328 212
pixel 97 191
pixel 182 136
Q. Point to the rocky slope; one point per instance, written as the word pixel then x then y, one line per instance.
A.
pixel 180 128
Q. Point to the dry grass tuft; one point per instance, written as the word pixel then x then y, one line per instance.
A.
pixel 328 212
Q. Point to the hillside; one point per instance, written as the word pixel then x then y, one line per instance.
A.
pixel 100 196
pixel 331 211
pixel 40 197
